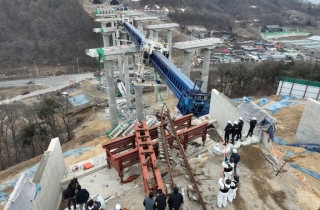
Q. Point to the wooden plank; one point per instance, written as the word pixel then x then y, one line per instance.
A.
pixel 146 151
pixel 146 160
pixel 144 143
pixel 143 136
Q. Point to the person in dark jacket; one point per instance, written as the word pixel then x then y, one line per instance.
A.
pixel 149 203
pixel 70 193
pixel 175 199
pixel 235 130
pixel 240 124
pixel 227 132
pixel 93 205
pixel 161 200
pixel 253 124
pixel 82 196
pixel 236 158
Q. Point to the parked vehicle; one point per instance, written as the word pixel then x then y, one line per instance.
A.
pixel 15 101
pixel 30 82
pixel 25 92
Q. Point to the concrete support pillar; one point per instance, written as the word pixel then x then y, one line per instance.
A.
pixel 140 26
pixel 124 37
pixel 186 63
pixel 139 102
pixel 113 39
pixel 151 34
pixel 106 40
pixel 156 94
pixel 120 62
pixel 127 80
pixel 156 35
pixel 205 71
pixel 169 41
pixel 108 66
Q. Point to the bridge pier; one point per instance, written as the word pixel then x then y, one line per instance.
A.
pixel 139 102
pixel 108 66
pixel 205 71
pixel 186 63
pixel 127 80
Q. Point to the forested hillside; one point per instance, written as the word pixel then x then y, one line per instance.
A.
pixel 221 14
pixel 49 31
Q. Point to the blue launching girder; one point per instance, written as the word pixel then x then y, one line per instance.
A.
pixel 191 99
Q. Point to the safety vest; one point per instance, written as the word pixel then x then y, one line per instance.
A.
pixel 229 169
pixel 225 189
pixel 235 184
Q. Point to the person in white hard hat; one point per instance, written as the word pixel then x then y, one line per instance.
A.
pixel 235 130
pixel 236 158
pixel 223 192
pixel 227 167
pixel 228 131
pixel 233 188
pixel 240 124
pixel 118 207
pixel 253 124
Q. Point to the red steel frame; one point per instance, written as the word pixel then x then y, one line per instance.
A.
pixel 123 152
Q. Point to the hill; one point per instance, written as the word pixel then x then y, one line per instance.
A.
pixel 221 14
pixel 51 32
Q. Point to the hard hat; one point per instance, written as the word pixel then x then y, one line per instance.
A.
pixel 254 118
pixel 234 150
pixel 240 118
pixel 231 160
pixel 235 122
pixel 236 177
pixel 229 121
pixel 228 181
pixel 118 207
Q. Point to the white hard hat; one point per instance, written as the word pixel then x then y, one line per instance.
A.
pixel 254 118
pixel 240 118
pixel 234 150
pixel 229 121
pixel 118 207
pixel 235 122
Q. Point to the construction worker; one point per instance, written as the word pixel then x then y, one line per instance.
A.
pixel 240 124
pixel 223 192
pixel 227 167
pixel 233 188
pixel 253 123
pixel 236 158
pixel 227 132
pixel 149 203
pixel 235 130
pixel 161 200
pixel 175 199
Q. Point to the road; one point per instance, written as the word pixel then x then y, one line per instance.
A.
pixel 53 83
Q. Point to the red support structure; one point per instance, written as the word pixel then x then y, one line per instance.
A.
pixel 305 91
pixel 281 88
pixel 147 158
pixel 124 152
pixel 292 86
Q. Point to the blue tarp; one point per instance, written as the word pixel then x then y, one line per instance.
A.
pixel 311 173
pixel 78 100
pixel 32 170
pixel 263 101
pixel 279 105
pixel 310 147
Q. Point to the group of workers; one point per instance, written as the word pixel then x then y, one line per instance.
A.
pixel 236 130
pixel 160 203
pixel 228 186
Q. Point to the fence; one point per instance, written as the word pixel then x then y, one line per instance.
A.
pixel 299 88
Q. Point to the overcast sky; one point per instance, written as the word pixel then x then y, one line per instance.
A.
pixel 315 1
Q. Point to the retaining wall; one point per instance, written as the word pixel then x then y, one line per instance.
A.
pixel 223 109
pixel 49 175
pixel 309 127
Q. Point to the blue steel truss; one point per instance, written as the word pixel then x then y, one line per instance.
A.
pixel 191 99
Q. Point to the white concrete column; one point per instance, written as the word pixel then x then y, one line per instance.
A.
pixel 205 71
pixel 108 66
pixel 120 62
pixel 156 94
pixel 113 39
pixel 156 35
pixel 127 80
pixel 124 37
pixel 186 63
pixel 140 26
pixel 139 102
pixel 169 41
pixel 106 40
pixel 151 34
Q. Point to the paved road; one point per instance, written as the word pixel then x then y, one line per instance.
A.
pixel 53 83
